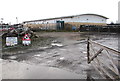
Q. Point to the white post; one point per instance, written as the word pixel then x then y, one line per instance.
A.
pixel 2 20
pixel 17 20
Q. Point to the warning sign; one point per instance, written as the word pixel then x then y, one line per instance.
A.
pixel 26 40
pixel 26 37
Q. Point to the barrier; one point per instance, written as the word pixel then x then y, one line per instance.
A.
pixel 104 59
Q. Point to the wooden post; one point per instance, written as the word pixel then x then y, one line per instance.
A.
pixel 88 49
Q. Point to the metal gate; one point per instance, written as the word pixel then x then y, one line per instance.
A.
pixel 104 59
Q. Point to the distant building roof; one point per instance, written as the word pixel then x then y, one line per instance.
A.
pixel 96 15
pixel 65 17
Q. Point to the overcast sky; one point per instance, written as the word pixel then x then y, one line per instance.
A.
pixel 40 9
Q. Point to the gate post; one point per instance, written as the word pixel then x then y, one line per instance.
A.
pixel 88 49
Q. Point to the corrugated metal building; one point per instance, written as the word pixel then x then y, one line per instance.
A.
pixel 67 22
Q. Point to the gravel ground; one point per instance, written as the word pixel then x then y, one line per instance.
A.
pixel 65 52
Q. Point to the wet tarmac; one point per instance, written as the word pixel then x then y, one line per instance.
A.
pixel 62 54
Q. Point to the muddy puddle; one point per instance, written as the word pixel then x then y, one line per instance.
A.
pixel 65 51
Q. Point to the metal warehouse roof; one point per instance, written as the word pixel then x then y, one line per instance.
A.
pixel 65 17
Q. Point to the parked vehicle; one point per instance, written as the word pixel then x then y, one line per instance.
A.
pixel 6 27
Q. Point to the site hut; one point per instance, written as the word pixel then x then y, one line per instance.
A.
pixel 67 22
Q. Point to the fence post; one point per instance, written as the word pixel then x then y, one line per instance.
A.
pixel 88 49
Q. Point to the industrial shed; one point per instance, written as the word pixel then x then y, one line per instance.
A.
pixel 67 22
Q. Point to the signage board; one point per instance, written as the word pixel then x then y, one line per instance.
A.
pixel 26 40
pixel 11 41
